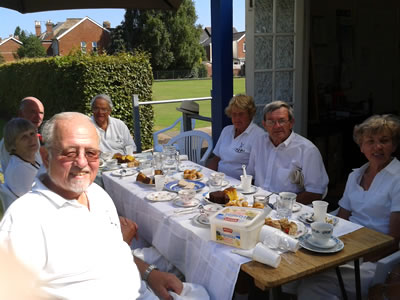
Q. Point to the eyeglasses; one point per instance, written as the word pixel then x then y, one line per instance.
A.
pixel 71 154
pixel 102 110
pixel 271 123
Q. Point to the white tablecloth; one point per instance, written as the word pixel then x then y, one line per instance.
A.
pixel 182 242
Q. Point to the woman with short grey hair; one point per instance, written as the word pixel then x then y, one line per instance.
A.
pixel 20 140
pixel 234 144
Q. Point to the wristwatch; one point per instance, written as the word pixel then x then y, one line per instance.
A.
pixel 148 271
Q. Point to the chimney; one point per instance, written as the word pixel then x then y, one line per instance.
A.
pixel 38 29
pixel 0 39
pixel 107 24
pixel 49 29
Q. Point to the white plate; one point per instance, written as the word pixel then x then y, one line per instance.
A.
pixel 124 172
pixel 161 196
pixel 110 168
pixel 179 176
pixel 224 183
pixel 207 198
pixel 183 167
pixel 201 220
pixel 192 203
pixel 306 245
pixel 307 218
pixel 296 207
pixel 252 190
pixel 173 186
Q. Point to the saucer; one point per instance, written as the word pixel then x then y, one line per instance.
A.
pixel 201 220
pixel 296 207
pixel 252 189
pixel 304 242
pixel 161 196
pixel 224 184
pixel 191 203
pixel 124 172
pixel 329 244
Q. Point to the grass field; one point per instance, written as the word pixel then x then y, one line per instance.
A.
pixel 166 114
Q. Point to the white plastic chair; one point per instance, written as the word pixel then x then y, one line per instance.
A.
pixel 191 143
pixel 158 147
pixel 384 266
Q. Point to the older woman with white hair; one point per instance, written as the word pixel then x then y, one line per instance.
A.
pixel 20 140
pixel 115 135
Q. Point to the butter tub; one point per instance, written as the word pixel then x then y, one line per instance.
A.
pixel 237 226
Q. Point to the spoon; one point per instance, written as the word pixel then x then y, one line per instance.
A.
pixel 244 170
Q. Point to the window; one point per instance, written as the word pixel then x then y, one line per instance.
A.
pixel 244 47
pixel 83 47
pixel 94 46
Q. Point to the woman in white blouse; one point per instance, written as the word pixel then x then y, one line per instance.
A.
pixel 20 140
pixel 234 144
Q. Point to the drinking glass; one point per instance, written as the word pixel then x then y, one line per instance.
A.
pixel 284 204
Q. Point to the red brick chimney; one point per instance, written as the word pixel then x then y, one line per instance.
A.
pixel 38 29
pixel 107 24
pixel 49 29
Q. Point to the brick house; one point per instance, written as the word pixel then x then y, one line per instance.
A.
pixel 75 33
pixel 238 49
pixel 9 47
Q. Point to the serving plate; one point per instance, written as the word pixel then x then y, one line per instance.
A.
pixel 206 198
pixel 161 196
pixel 186 166
pixel 304 242
pixel 174 187
pixel 301 228
pixel 307 218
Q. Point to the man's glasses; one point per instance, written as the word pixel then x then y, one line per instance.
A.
pixel 280 122
pixel 72 154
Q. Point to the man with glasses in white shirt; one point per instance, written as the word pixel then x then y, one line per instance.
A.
pixel 285 161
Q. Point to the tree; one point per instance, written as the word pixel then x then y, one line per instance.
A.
pixel 31 47
pixel 21 34
pixel 171 37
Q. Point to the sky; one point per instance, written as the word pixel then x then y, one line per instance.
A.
pixel 10 19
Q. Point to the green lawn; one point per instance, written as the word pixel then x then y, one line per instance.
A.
pixel 166 114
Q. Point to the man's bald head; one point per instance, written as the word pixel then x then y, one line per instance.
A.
pixel 32 109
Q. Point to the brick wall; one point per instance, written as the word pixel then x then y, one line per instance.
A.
pixel 8 49
pixel 87 32
pixel 240 52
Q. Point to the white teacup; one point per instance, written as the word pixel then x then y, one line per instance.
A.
pixel 321 232
pixel 186 195
pixel 112 163
pixel 211 209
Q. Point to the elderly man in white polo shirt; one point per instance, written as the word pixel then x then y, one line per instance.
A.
pixel 115 135
pixel 284 161
pixel 67 229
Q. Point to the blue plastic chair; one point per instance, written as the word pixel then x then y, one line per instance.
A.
pixel 158 147
pixel 191 144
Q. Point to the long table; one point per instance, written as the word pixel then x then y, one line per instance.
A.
pixel 202 261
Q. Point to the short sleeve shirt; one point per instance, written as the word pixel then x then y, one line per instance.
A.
pixel 372 208
pixel 235 152
pixel 271 166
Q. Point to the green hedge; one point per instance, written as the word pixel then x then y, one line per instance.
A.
pixel 68 83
